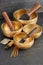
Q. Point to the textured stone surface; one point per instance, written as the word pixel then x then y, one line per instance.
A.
pixel 12 5
pixel 32 56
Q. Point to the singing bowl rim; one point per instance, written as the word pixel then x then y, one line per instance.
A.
pixel 10 34
pixel 37 34
pixel 27 44
pixel 34 20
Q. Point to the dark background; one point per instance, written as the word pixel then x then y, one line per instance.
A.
pixel 12 5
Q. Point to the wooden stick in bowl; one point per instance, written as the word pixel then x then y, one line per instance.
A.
pixel 34 8
pixel 8 21
pixel 28 14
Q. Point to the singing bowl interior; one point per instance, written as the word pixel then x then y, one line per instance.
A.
pixel 33 18
pixel 36 32
pixel 6 30
pixel 25 45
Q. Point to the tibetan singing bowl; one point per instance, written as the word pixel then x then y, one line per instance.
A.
pixel 33 30
pixel 33 18
pixel 6 30
pixel 25 45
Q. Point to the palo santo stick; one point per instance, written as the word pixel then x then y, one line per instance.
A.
pixel 14 53
pixel 9 44
pixel 8 21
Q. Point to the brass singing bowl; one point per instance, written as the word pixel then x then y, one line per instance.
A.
pixel 18 13
pixel 6 30
pixel 36 33
pixel 25 45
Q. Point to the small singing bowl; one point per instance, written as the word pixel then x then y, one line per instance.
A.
pixel 24 45
pixel 33 30
pixel 33 18
pixel 6 30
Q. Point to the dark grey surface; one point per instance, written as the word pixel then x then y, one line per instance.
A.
pixel 11 5
pixel 32 56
